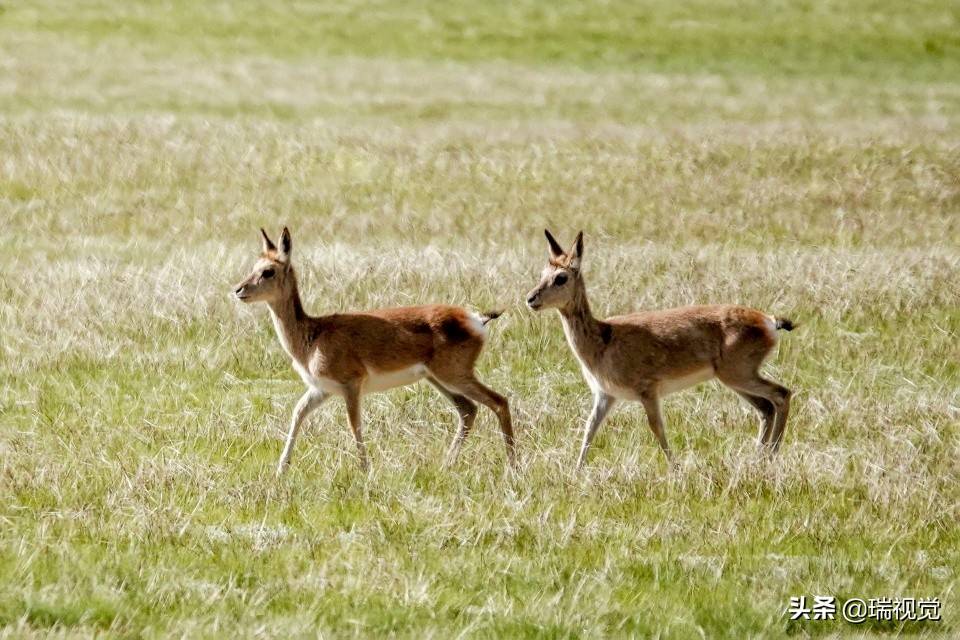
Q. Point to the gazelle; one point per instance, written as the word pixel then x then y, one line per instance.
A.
pixel 352 354
pixel 647 355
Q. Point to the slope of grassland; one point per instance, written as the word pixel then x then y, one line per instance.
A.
pixel 799 157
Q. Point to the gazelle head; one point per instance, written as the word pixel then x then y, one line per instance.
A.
pixel 271 274
pixel 560 279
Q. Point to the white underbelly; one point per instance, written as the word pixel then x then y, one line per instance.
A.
pixel 672 385
pixel 375 381
pixel 383 380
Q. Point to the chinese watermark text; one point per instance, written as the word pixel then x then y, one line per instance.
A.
pixel 858 610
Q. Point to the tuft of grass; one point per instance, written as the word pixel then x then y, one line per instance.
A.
pixel 801 158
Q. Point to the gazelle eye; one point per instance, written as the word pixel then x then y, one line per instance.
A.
pixel 267 273
pixel 560 280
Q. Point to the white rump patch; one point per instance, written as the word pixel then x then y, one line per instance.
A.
pixel 771 324
pixel 672 385
pixel 476 323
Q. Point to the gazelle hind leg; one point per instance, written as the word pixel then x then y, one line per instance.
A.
pixel 739 368
pixel 467 412
pixel 776 394
pixel 782 412
pixel 475 390
pixel 768 414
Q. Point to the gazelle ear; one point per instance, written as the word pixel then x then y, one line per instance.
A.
pixel 577 252
pixel 285 245
pixel 267 243
pixel 555 249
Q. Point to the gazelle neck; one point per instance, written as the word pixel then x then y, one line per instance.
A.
pixel 583 331
pixel 288 317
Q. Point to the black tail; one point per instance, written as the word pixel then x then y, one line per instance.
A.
pixel 490 315
pixel 786 324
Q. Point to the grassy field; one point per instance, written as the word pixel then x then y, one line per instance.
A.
pixel 801 157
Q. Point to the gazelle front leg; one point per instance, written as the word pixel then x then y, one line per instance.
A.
pixel 309 401
pixel 602 403
pixel 352 398
pixel 651 404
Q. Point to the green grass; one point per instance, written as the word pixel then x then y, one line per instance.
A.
pixel 799 157
pixel 864 37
